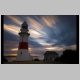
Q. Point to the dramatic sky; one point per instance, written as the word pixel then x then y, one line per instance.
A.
pixel 47 32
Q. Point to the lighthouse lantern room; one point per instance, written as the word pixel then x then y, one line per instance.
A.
pixel 23 54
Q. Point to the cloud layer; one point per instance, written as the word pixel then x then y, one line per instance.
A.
pixel 46 33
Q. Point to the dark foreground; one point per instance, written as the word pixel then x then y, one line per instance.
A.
pixel 33 62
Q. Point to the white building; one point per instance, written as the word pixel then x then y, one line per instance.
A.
pixel 23 54
pixel 50 55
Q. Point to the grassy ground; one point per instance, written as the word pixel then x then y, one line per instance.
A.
pixel 33 62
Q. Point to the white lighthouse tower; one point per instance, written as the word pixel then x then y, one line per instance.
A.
pixel 23 54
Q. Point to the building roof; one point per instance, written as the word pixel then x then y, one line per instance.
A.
pixel 50 53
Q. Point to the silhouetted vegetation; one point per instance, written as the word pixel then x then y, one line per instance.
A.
pixel 57 59
pixel 70 57
pixel 5 60
pixel 36 59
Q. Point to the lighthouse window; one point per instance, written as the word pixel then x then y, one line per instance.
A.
pixel 21 53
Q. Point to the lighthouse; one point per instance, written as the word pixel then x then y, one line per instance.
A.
pixel 23 54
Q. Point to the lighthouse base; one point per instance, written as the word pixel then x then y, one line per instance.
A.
pixel 23 55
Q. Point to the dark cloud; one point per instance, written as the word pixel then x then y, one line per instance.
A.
pixel 10 36
pixel 65 31
pixel 34 44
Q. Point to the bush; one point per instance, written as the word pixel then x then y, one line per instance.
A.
pixel 43 59
pixel 36 59
pixel 57 59
pixel 70 57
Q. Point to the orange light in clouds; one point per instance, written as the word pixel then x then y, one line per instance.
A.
pixel 34 54
pixel 15 49
pixel 14 55
pixel 49 20
pixel 33 32
pixel 12 29
pixel 29 49
pixel 10 54
pixel 15 19
pixel 34 23
pixel 53 48
pixel 73 47
pixel 46 21
pixel 45 44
